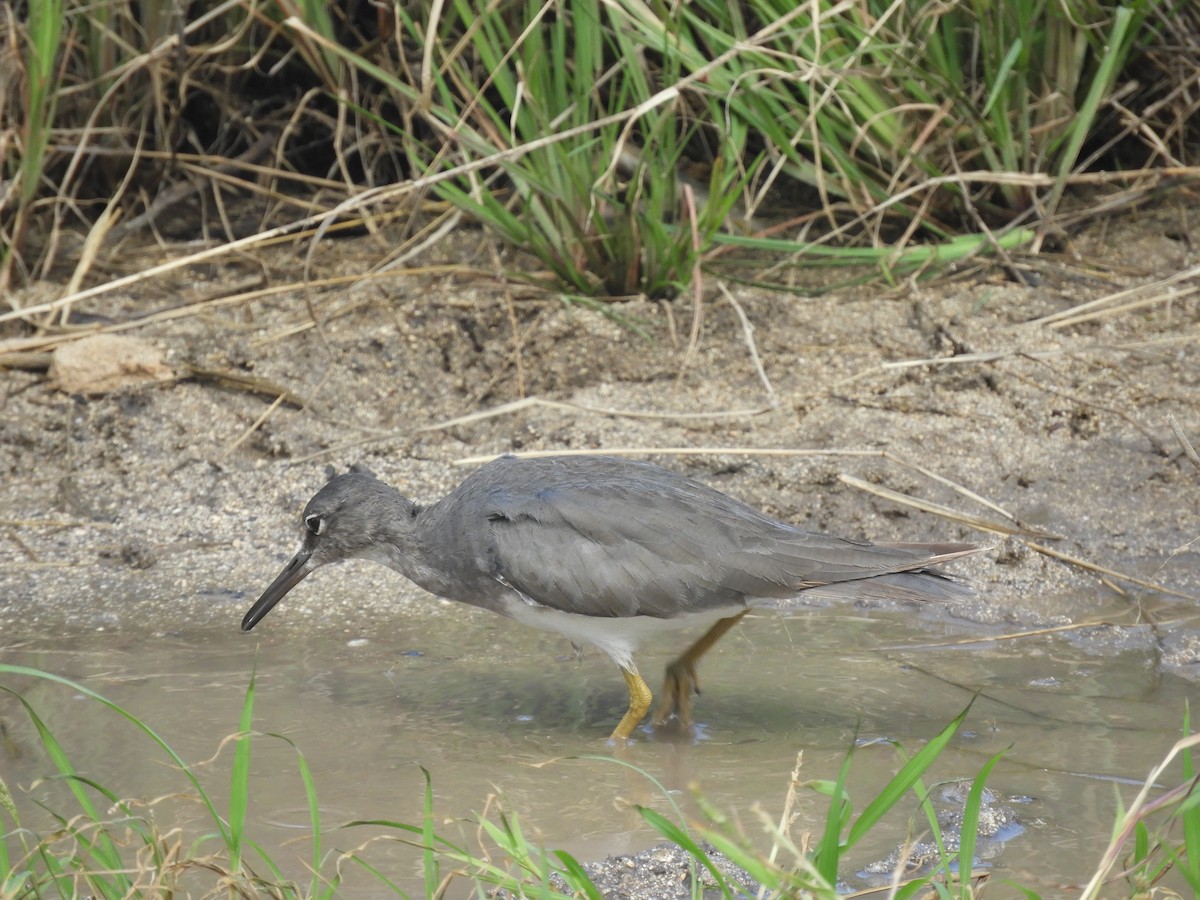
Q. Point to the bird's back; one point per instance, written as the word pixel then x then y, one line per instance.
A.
pixel 604 536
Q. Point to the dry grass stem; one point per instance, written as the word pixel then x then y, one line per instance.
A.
pixel 787 814
pixel 665 451
pixel 1188 450
pixel 1049 353
pixel 528 402
pixel 50 341
pixel 1093 567
pixel 945 512
pixel 959 488
pixel 1140 806
pixel 429 236
pixel 29 565
pixel 256 240
pixel 1101 306
pixel 965 180
pixel 87 255
pixel 249 384
pixel 52 523
pixel 1011 636
pixel 254 426
pixel 1151 438
pixel 748 333
pixel 215 169
pixel 697 283
pixel 1170 296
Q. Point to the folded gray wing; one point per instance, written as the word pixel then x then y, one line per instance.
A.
pixel 623 550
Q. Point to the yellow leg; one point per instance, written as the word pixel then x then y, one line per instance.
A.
pixel 639 702
pixel 681 680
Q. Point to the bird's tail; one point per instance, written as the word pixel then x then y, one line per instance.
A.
pixel 927 582
pixel 924 584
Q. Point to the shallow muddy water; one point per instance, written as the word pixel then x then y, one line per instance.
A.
pixel 489 707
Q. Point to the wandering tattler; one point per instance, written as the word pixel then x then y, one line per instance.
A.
pixel 605 551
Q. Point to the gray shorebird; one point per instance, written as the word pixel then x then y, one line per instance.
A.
pixel 605 551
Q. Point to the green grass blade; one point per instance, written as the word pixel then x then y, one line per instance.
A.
pixel 315 888
pixel 828 853
pixel 7 669
pixel 1189 812
pixel 1101 84
pixel 576 876
pixel 935 829
pixel 999 83
pixel 261 852
pixel 970 827
pixel 508 837
pixel 10 808
pixel 1181 863
pixel 314 820
pixel 429 860
pixel 389 885
pixel 770 876
pixel 100 848
pixel 45 30
pixel 1141 843
pixel 903 780
pixel 239 777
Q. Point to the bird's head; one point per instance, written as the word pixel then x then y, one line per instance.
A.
pixel 348 518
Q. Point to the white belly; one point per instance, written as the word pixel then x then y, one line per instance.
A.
pixel 618 637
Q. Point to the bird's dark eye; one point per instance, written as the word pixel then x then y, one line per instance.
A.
pixel 315 523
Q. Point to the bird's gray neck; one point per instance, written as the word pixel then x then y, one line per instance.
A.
pixel 398 544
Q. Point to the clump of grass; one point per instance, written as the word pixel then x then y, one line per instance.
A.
pixel 1158 835
pixel 623 144
pixel 812 867
pixel 113 847
pixel 568 130
pixel 116 848
pixel 534 121
pixel 900 121
pixel 36 105
pixel 86 115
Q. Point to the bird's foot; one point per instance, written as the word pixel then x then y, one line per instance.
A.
pixel 639 702
pixel 675 699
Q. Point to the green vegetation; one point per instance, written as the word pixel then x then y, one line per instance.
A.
pixel 116 848
pixel 627 146
pixel 109 846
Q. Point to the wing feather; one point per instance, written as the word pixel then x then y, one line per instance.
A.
pixel 662 546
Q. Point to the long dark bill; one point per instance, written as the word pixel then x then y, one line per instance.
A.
pixel 293 573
